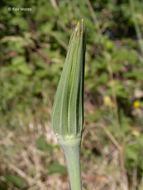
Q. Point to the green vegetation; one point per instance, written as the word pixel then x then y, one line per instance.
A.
pixel 33 47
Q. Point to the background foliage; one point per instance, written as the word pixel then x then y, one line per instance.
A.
pixel 33 47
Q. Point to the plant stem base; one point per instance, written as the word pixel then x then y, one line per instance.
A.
pixel 71 148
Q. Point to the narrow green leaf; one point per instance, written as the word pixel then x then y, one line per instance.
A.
pixel 15 180
pixel 43 145
pixel 55 167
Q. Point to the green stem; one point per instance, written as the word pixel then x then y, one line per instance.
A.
pixel 71 148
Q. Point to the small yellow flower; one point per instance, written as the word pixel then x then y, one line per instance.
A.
pixel 74 22
pixel 135 133
pixel 136 104
pixel 107 101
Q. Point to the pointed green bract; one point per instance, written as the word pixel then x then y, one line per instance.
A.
pixel 67 113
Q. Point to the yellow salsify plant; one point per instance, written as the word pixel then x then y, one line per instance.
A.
pixel 67 112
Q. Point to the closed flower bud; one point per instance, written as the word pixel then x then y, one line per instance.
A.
pixel 67 113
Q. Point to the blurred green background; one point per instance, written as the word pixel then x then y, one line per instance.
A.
pixel 33 45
